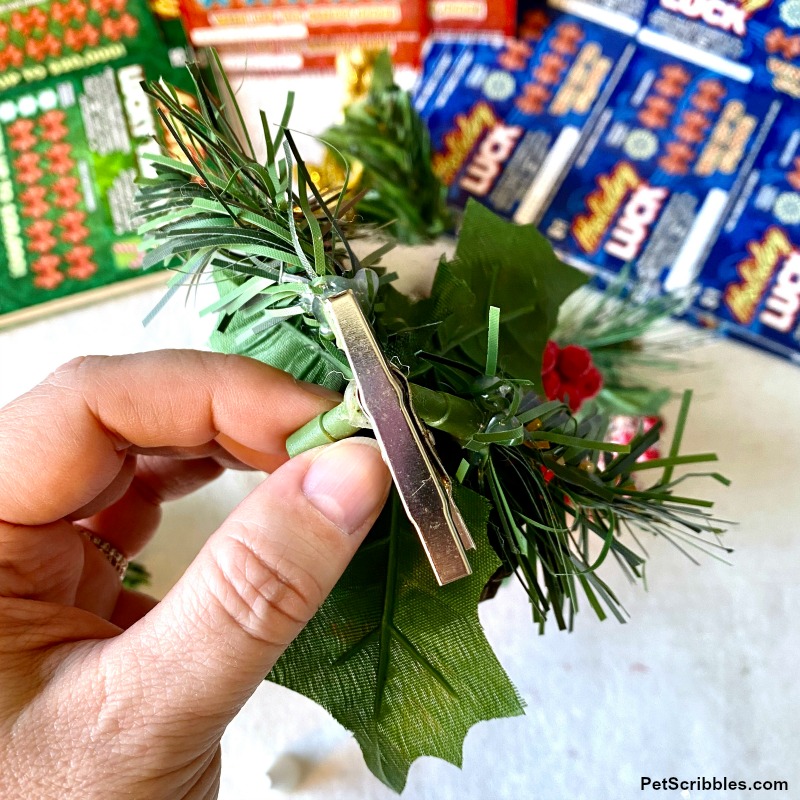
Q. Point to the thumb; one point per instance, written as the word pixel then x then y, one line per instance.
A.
pixel 258 580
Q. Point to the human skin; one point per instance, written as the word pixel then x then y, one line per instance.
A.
pixel 104 692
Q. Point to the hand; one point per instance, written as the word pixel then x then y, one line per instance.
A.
pixel 103 693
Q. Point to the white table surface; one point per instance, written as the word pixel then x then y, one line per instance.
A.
pixel 703 680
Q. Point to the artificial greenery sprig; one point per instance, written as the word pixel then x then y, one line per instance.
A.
pixel 620 331
pixel 543 495
pixel 386 138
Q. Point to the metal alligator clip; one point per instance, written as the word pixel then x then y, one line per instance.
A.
pixel 407 447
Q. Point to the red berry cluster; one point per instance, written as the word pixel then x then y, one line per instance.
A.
pixel 53 126
pixel 659 104
pixel 515 55
pixel 568 374
pixel 81 265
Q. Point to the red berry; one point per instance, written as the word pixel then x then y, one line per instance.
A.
pixel 568 374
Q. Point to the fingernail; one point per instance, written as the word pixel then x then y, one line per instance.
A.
pixel 320 391
pixel 348 482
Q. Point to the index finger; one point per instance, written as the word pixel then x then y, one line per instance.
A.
pixel 65 441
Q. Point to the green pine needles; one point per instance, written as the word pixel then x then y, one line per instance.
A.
pixel 383 133
pixel 622 336
pixel 400 661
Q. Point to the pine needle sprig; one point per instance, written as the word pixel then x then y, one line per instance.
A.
pixel 597 318
pixel 263 230
pixel 385 136
pixel 625 335
pixel 562 506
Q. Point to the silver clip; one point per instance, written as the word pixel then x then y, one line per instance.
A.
pixel 423 485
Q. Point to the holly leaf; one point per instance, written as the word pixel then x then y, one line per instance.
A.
pixel 514 268
pixel 408 325
pixel 398 660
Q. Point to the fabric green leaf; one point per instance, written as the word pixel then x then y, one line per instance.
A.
pixel 288 348
pixel 398 660
pixel 407 325
pixel 514 268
